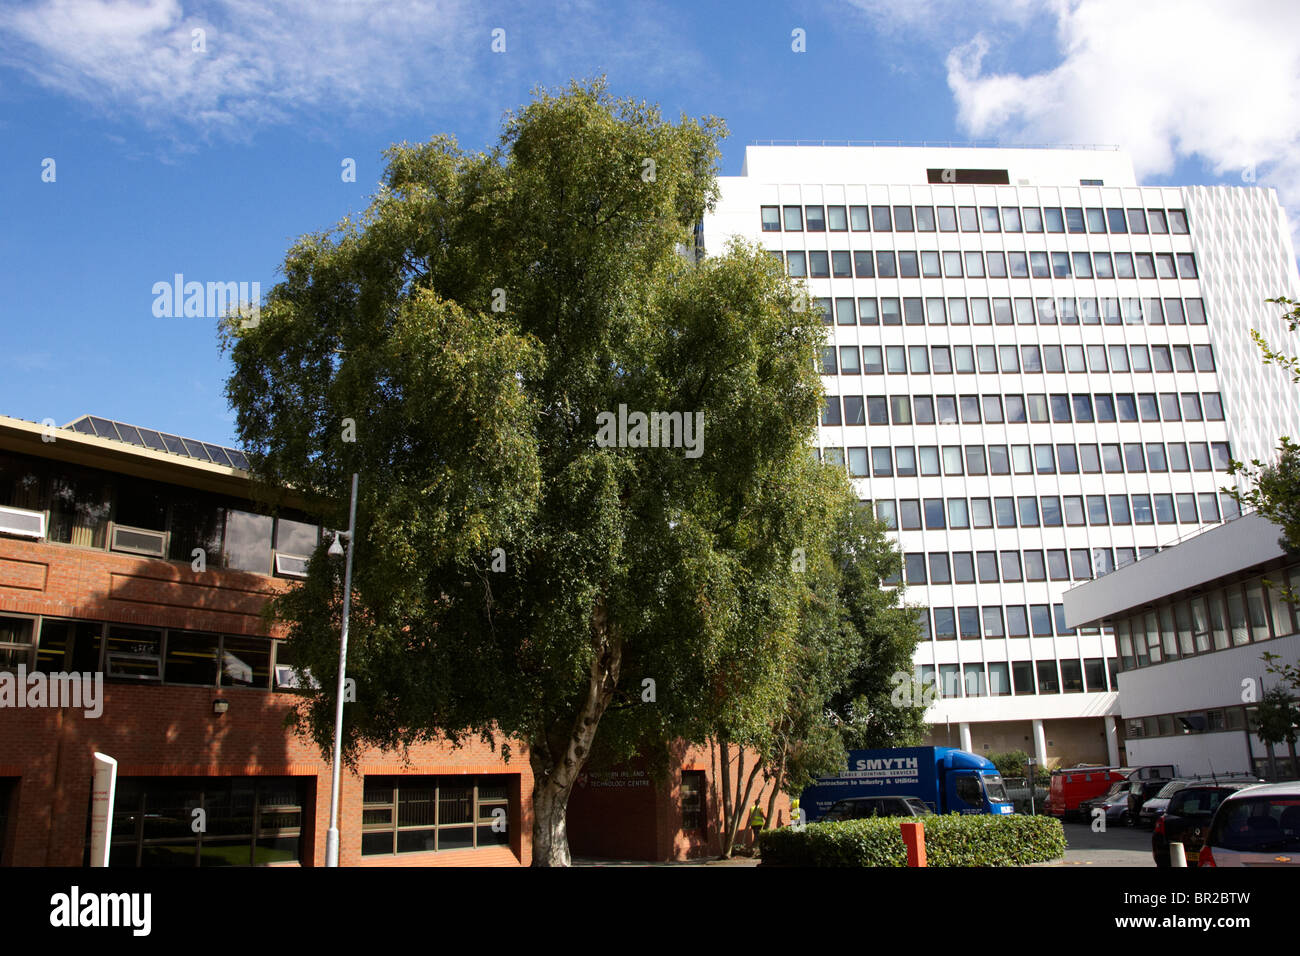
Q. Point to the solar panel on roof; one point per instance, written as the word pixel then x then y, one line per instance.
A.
pixel 217 453
pixel 195 449
pixel 152 439
pixel 104 428
pixel 129 433
pixel 159 441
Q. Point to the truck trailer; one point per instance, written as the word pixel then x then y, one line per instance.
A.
pixel 947 779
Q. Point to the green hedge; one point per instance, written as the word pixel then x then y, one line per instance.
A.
pixel 952 840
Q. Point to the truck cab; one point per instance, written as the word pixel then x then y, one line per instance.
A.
pixel 972 784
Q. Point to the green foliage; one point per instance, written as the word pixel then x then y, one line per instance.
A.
pixel 470 327
pixel 950 840
pixel 1277 717
pixel 855 640
pixel 1011 763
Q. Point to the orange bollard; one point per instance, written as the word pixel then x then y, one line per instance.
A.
pixel 914 837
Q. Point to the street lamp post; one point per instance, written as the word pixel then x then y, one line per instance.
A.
pixel 332 836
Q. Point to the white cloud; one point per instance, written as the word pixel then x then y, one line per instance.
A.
pixel 1167 80
pixel 261 62
pixel 278 62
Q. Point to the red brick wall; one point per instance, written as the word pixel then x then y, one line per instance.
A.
pixel 171 731
pixel 636 817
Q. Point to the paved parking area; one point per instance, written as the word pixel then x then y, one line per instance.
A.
pixel 1118 846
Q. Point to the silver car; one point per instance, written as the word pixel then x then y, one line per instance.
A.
pixel 1154 808
pixel 1256 826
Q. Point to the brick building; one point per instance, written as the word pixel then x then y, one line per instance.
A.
pixel 139 556
pixel 101 528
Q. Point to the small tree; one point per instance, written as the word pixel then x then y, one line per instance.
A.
pixel 1278 715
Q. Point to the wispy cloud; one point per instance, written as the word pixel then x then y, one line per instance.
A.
pixel 231 67
pixel 249 63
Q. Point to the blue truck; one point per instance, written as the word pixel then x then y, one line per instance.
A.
pixel 947 779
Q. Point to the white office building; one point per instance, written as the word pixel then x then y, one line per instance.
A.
pixel 1037 371
pixel 1189 624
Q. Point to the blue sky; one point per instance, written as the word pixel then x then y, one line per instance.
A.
pixel 211 162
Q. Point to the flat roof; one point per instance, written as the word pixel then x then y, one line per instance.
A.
pixel 84 445
pixel 1231 548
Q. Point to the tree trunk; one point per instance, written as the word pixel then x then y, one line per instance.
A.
pixel 1272 761
pixel 776 785
pixel 740 805
pixel 557 760
pixel 728 802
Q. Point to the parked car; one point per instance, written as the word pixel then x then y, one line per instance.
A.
pixel 1256 826
pixel 856 808
pixel 1140 793
pixel 1071 786
pixel 1187 821
pixel 1114 802
pixel 1153 809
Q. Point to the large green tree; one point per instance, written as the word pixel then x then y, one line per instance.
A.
pixel 460 346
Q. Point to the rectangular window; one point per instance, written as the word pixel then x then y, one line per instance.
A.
pixel 793 219
pixel 858 463
pixel 858 220
pixel 853 409
pixel 134 653
pixel 771 219
pixel 1048 683
pixel 250 821
pixel 694 787
pixel 1017 621
pixel 999 679
pixel 435 814
pixel 1022 677
pixel 891 311
pixel 16 643
pixel 849 360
